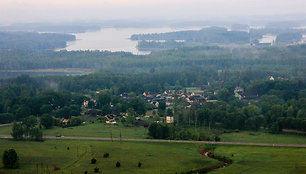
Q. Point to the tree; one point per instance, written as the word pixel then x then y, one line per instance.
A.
pixel 75 121
pixel 161 108
pixel 6 118
pixel 17 131
pixel 45 109
pixel 225 95
pixel 30 121
pixel 10 159
pixel 131 116
pixel 36 134
pixel 47 121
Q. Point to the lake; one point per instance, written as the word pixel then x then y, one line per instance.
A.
pixel 115 39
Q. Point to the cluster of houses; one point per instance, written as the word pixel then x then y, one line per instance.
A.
pixel 192 99
pixel 168 96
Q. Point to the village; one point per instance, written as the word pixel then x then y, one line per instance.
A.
pixel 190 97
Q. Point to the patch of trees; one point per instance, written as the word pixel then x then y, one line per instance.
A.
pixel 27 130
pixel 20 100
pixel 33 41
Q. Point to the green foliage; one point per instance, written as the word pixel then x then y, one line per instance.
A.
pixel 10 159
pixel 75 121
pixel 159 131
pixel 17 131
pixel 47 121
pixel 6 118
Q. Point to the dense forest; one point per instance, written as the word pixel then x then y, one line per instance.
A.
pixel 279 61
pixel 33 40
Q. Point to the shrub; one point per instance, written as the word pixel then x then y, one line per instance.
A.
pixel 93 161
pixel 106 155
pixel 10 159
pixel 96 170
pixel 139 164
pixel 117 164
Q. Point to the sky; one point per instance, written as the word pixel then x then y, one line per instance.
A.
pixel 16 11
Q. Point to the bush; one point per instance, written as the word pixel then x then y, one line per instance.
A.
pixel 10 159
pixel 96 170
pixel 106 155
pixel 117 164
pixel 139 164
pixel 93 161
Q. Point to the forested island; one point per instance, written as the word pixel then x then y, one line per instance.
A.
pixel 237 35
pixel 33 40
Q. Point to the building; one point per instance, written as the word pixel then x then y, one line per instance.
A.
pixel 169 119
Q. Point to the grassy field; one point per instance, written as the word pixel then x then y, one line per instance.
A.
pixel 52 156
pixel 262 160
pixel 39 157
pixel 92 130
pixel 262 137
pixel 106 131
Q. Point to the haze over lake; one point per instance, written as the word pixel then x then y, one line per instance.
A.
pixel 114 39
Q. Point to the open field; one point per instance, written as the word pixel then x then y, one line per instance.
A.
pixel 155 157
pixel 262 137
pixel 101 130
pixel 92 130
pixel 248 160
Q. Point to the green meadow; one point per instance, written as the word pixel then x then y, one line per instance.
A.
pixel 52 156
pixel 261 160
pixel 102 130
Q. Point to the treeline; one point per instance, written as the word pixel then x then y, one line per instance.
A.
pixel 205 35
pixel 33 41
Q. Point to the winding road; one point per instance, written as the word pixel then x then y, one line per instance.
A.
pixel 167 141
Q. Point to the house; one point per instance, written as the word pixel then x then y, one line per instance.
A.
pixel 64 122
pixel 169 119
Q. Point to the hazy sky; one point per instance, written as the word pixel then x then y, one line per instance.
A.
pixel 71 10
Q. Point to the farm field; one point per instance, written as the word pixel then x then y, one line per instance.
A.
pixel 261 160
pixel 263 137
pixel 53 156
pixel 101 130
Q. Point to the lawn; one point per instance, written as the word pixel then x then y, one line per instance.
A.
pixel 36 157
pixel 248 160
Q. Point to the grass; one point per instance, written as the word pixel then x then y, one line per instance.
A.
pixel 155 157
pixel 248 160
pixel 92 130
pixel 106 131
pixel 263 137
